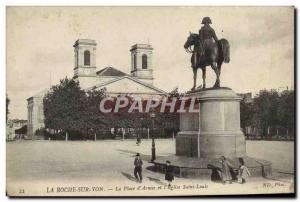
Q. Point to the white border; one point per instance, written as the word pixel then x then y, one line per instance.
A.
pixel 5 3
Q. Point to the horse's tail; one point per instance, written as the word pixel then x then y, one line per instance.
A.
pixel 225 48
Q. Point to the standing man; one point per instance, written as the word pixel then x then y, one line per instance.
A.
pixel 138 168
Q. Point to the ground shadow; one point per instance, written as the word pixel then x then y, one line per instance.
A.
pixel 127 151
pixel 156 181
pixel 128 176
pixel 133 153
pixel 215 174
pixel 286 173
pixel 126 154
pixel 151 168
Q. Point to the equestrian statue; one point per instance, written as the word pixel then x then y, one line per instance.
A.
pixel 207 50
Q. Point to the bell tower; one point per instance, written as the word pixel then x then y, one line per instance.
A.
pixel 141 62
pixel 85 62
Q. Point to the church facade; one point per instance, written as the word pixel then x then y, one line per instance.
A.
pixel 139 82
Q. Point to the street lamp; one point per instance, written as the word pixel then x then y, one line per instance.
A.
pixel 139 136
pixel 141 128
pixel 152 116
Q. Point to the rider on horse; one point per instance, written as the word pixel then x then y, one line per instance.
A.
pixel 208 51
pixel 206 35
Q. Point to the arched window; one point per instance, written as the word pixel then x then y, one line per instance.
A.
pixel 87 58
pixel 144 61
pixel 134 62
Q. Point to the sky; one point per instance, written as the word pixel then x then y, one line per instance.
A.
pixel 39 45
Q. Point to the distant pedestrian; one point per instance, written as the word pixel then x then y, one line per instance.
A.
pixel 138 163
pixel 169 173
pixel 225 173
pixel 244 172
pixel 138 140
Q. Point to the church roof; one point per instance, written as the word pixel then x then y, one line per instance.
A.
pixel 110 71
pixel 40 94
pixel 101 85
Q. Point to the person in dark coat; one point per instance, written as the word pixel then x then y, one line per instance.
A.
pixel 138 168
pixel 169 173
pixel 226 167
pixel 138 140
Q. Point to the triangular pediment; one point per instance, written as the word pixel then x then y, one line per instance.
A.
pixel 129 85
pixel 110 71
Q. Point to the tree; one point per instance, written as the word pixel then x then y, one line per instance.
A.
pixel 64 106
pixel 92 118
pixel 286 110
pixel 70 109
pixel 247 114
pixel 167 120
pixel 265 110
pixel 175 93
pixel 7 103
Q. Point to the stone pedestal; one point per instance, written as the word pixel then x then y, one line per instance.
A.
pixel 211 132
pixel 215 130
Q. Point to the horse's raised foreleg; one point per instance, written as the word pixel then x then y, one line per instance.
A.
pixel 215 68
pixel 195 78
pixel 204 76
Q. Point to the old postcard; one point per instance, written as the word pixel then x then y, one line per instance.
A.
pixel 150 101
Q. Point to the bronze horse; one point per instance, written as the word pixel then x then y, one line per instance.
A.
pixel 215 54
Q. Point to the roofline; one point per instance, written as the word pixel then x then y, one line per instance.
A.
pixel 106 68
pixel 132 93
pixel 129 77
pixel 85 42
pixel 36 95
pixel 136 46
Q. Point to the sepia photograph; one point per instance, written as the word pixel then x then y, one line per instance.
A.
pixel 150 101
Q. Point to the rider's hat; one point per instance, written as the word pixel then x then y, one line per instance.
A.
pixel 206 20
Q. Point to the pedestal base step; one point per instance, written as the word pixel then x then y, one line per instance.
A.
pixel 205 168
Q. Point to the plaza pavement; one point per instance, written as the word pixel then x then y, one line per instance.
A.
pixel 105 168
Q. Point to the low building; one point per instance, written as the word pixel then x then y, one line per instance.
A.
pixel 12 126
pixel 35 113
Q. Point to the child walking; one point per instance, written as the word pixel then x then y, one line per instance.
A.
pixel 169 173
pixel 244 172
